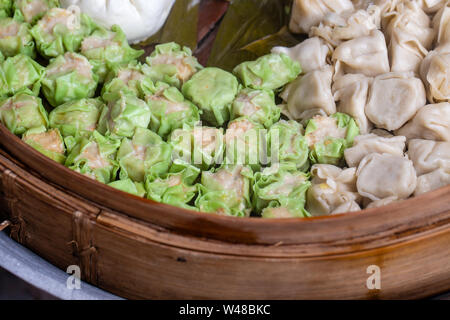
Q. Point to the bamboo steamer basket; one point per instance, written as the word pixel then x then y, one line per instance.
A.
pixel 140 249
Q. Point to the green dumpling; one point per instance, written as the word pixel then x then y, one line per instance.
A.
pixel 127 78
pixel 177 188
pixel 94 157
pixel 121 117
pixel 19 73
pixel 76 118
pixel 271 71
pixel 144 155
pixel 23 112
pixel 134 188
pixel 329 136
pixel 60 31
pixel 170 110
pixel 257 105
pixel 15 38
pixel 69 77
pixel 108 49
pixel 32 10
pixel 5 8
pixel 245 143
pixel 281 185
pixel 226 191
pixel 213 90
pixel 50 143
pixel 201 146
pixel 286 143
pixel 172 64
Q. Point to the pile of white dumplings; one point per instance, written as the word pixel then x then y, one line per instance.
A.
pixel 387 64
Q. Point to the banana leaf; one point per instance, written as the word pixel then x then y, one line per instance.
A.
pixel 180 26
pixel 249 30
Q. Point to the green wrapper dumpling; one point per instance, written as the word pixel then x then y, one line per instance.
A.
pixel 177 188
pixel 200 146
pixel 245 143
pixel 5 8
pixel 257 105
pixel 107 49
pixel 271 71
pixel 61 31
pixel 32 10
pixel 128 78
pixel 134 188
pixel 69 77
pixel 226 191
pixel 213 90
pixel 19 73
pixel 170 110
pixel 15 38
pixel 50 143
pixel 76 118
pixel 281 185
pixel 94 157
pixel 121 117
pixel 22 112
pixel 144 155
pixel 287 144
pixel 329 136
pixel 172 64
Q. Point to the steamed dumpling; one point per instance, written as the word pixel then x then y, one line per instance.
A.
pixel 349 25
pixel 310 91
pixel 428 155
pixel 371 143
pixel 409 18
pixel 139 19
pixel 332 187
pixel 432 122
pixel 441 24
pixel 312 54
pixel 366 55
pixel 308 13
pixel 351 92
pixel 381 176
pixel 431 6
pixel 435 73
pixel 432 181
pixel 394 99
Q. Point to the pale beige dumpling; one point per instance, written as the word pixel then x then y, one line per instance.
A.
pixel 366 55
pixel 435 73
pixel 429 155
pixel 308 13
pixel 350 206
pixel 431 122
pixel 351 92
pixel 310 91
pixel 332 187
pixel 381 203
pixel 409 18
pixel 381 176
pixel 394 98
pixel 430 6
pixel 441 24
pixel 364 145
pixel 432 181
pixel 336 28
pixel 312 54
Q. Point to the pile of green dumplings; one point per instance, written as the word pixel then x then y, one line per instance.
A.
pixel 169 129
